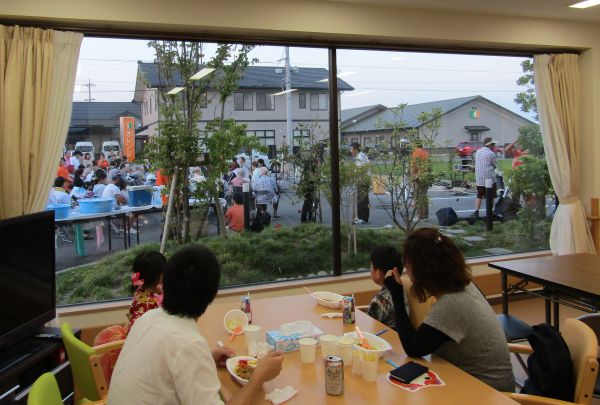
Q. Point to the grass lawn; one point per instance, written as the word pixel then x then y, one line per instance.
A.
pixel 287 252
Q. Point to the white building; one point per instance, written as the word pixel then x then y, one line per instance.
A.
pixel 253 103
pixel 463 119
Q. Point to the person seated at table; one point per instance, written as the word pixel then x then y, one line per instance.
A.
pixel 146 280
pixel 234 217
pixel 383 259
pixel 100 180
pixel 165 359
pixel 461 327
pixel 58 195
pixel 113 190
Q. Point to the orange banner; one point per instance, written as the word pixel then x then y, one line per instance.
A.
pixel 128 137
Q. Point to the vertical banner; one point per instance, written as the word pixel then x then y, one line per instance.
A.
pixel 128 137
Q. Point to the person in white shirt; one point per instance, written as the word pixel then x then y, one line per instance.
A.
pixel 100 180
pixel 242 163
pixel 75 159
pixel 113 190
pixel 165 359
pixel 58 195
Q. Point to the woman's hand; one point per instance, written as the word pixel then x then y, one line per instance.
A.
pixel 221 354
pixel 396 274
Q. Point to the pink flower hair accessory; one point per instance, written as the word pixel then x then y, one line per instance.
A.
pixel 136 280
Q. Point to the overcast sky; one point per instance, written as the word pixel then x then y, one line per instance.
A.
pixel 379 77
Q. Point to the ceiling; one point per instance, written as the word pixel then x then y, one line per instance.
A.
pixel 555 9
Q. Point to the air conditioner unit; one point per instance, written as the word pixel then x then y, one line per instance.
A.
pixel 279 70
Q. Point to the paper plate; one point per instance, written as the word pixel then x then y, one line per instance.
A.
pixel 233 319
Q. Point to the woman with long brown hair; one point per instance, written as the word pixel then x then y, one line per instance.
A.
pixel 461 327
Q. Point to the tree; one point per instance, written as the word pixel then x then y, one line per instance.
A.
pixel 178 144
pixel 526 98
pixel 399 175
pixel 530 139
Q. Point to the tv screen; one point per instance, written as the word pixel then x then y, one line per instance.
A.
pixel 27 275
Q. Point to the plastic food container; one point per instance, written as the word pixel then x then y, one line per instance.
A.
pixel 328 299
pixel 61 211
pixel 95 205
pixel 139 196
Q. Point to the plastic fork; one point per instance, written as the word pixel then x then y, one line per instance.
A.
pixel 234 332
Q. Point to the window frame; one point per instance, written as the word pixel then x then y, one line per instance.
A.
pixel 302 101
pixel 244 99
pixel 319 97
pixel 267 96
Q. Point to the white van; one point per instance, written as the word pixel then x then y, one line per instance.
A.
pixel 111 148
pixel 85 147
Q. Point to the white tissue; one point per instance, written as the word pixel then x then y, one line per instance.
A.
pixel 298 327
pixel 259 349
pixel 331 315
pixel 280 395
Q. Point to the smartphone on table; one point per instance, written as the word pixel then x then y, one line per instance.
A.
pixel 408 372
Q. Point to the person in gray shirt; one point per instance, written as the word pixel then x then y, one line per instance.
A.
pixel 461 327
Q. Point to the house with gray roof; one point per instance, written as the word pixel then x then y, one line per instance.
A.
pixel 463 119
pixel 98 122
pixel 254 103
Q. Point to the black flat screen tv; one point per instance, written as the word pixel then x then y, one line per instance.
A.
pixel 27 276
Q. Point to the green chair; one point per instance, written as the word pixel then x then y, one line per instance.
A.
pixel 44 391
pixel 85 364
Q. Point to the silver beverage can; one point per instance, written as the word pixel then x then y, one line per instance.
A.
pixel 334 375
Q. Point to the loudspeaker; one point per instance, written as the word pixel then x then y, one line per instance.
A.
pixel 272 153
pixel 446 216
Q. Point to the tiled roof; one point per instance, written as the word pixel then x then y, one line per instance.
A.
pixel 355 113
pixel 263 77
pixel 84 112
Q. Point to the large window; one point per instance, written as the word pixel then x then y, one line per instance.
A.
pixel 242 101
pixel 266 137
pixel 265 101
pixel 318 101
pixel 388 102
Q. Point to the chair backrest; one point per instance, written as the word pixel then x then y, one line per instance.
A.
pixel 583 347
pixel 44 391
pixel 90 383
pixel 418 310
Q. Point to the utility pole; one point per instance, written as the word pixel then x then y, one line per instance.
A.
pixel 288 96
pixel 89 85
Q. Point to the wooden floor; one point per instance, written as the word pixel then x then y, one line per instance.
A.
pixel 532 312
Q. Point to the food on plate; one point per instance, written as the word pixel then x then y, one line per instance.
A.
pixel 245 368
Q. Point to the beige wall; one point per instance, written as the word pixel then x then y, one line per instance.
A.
pixel 351 23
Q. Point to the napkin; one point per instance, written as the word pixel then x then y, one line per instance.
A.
pixel 280 395
pixel 332 315
pixel 296 328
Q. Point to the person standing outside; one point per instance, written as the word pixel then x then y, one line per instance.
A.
pixel 362 187
pixel 75 159
pixel 485 165
pixel 418 170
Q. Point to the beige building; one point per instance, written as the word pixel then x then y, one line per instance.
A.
pixel 254 103
pixel 463 119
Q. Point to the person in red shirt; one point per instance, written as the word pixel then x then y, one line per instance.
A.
pixel 63 171
pixel 234 217
pixel 418 168
pixel 102 162
pixel 517 152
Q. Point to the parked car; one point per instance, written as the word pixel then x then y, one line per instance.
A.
pixel 467 148
pixel 85 147
pixel 111 148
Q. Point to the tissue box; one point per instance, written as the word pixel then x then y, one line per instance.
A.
pixel 289 342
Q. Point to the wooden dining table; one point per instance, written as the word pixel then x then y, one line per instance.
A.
pixel 309 379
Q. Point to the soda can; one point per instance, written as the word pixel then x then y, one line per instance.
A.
pixel 334 375
pixel 348 308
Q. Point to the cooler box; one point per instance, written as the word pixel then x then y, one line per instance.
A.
pixel 61 211
pixel 95 205
pixel 139 195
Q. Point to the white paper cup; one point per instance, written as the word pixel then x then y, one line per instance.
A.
pixel 356 365
pixel 369 369
pixel 308 350
pixel 344 347
pixel 252 333
pixel 328 347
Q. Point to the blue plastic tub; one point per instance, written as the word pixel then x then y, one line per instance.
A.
pixel 61 211
pixel 139 196
pixel 95 205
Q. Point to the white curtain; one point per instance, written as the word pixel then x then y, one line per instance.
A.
pixel 558 96
pixel 37 76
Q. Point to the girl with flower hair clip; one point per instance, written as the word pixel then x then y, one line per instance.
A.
pixel 146 283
